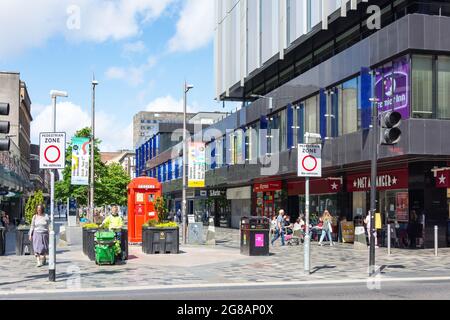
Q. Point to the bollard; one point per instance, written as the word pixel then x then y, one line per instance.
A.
pixel 436 229
pixel 389 239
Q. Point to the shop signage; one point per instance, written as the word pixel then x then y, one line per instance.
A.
pixel 146 187
pixel 389 180
pixel 203 193
pixel 310 160
pixel 197 165
pixel 215 193
pixel 348 231
pixel 443 179
pixel 317 186
pixel 392 88
pixel 80 161
pixel 268 187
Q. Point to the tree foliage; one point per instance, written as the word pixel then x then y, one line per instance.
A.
pixel 31 205
pixel 110 182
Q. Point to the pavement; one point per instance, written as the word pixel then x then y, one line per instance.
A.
pixel 217 266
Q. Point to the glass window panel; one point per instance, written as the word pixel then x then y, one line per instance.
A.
pixel 311 118
pixel 422 83
pixel 350 106
pixel 443 108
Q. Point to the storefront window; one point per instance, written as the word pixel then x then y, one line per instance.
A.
pixel 360 204
pixel 422 86
pixel 443 66
pixel 318 204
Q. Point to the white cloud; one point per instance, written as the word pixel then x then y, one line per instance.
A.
pixel 132 75
pixel 71 118
pixel 195 28
pixel 137 47
pixel 98 20
pixel 168 104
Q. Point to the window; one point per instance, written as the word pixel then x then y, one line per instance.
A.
pixel 283 130
pixel 219 152
pixel 422 86
pixel 311 118
pixel 348 111
pixel 443 90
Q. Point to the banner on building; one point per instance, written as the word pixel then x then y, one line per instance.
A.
pixel 80 161
pixel 197 165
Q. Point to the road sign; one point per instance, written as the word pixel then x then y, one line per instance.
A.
pixel 310 160
pixel 52 150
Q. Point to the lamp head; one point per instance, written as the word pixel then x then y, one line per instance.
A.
pixel 57 93
pixel 94 83
pixel 189 87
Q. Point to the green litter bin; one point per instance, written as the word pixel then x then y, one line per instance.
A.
pixel 106 248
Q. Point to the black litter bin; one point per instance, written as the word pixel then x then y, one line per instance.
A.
pixel 255 236
pixel 2 241
pixel 23 244
pixel 124 243
pixel 89 238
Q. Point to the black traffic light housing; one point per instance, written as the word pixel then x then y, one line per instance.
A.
pixel 390 132
pixel 4 127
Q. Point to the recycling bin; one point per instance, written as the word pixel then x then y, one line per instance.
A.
pixel 255 236
pixel 2 241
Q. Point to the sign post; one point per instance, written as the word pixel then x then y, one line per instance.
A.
pixel 309 165
pixel 52 157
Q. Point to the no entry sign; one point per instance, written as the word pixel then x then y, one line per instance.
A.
pixel 310 160
pixel 52 150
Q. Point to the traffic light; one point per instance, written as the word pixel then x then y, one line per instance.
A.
pixel 390 132
pixel 4 127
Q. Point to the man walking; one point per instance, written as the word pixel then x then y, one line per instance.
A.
pixel 279 229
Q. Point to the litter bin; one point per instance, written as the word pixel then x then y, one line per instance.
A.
pixel 24 246
pixel 255 236
pixel 2 241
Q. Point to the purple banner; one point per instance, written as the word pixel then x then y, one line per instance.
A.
pixel 392 88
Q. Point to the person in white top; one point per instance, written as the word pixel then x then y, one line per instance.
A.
pixel 367 221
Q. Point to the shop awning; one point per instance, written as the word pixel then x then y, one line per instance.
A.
pixel 317 186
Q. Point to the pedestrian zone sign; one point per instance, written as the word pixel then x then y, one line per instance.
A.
pixel 310 160
pixel 52 150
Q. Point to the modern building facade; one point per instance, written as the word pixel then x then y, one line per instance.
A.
pixel 38 177
pixel 145 124
pixel 15 164
pixel 318 77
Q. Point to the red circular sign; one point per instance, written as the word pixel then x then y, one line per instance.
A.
pixel 51 160
pixel 315 163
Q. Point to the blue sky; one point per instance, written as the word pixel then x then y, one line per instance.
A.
pixel 140 50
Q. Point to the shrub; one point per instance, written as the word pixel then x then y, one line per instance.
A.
pixel 161 209
pixel 31 205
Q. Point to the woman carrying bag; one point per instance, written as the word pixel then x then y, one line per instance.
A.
pixel 39 235
pixel 327 228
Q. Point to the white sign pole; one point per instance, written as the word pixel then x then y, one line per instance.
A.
pixel 309 165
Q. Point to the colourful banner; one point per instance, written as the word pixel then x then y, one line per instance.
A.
pixel 80 161
pixel 197 165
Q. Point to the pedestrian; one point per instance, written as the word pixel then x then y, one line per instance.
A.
pixel 327 228
pixel 179 216
pixel 279 230
pixel 368 222
pixel 273 225
pixel 413 227
pixel 288 225
pixel 39 235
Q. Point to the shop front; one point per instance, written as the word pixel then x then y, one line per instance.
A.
pixel 241 204
pixel 269 198
pixel 218 206
pixel 325 194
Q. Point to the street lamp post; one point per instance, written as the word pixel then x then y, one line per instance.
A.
pixel 186 89
pixel 52 241
pixel 91 193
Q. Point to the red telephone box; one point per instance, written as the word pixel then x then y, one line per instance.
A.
pixel 142 194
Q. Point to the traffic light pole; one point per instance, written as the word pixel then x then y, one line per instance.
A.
pixel 373 187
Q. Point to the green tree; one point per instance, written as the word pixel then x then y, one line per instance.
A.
pixel 31 205
pixel 64 189
pixel 113 186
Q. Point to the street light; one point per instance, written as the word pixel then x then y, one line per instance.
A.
pixel 91 193
pixel 52 241
pixel 186 89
